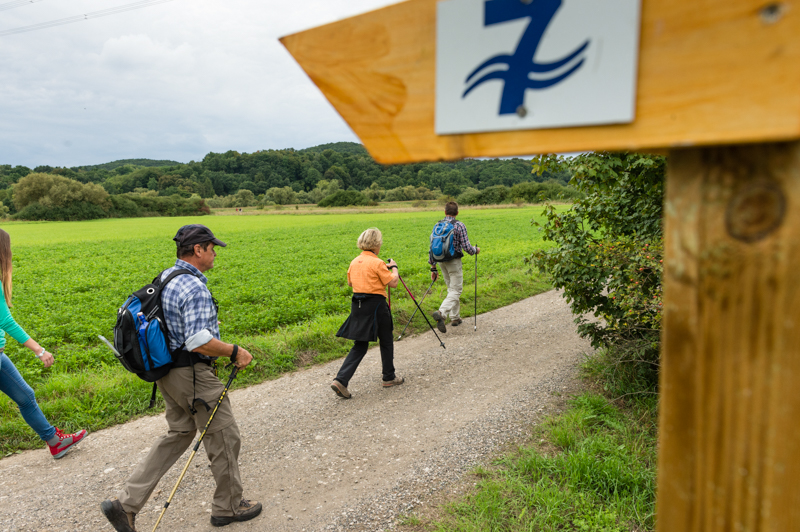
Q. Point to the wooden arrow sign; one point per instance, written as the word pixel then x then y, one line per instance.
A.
pixel 709 72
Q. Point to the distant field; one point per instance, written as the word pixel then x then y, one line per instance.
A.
pixel 280 283
pixel 384 206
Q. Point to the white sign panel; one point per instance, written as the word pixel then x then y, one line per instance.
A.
pixel 528 64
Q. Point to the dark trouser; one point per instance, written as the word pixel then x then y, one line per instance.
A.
pixel 359 349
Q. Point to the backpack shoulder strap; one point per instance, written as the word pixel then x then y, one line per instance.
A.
pixel 171 276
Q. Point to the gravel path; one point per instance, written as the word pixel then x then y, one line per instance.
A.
pixel 318 462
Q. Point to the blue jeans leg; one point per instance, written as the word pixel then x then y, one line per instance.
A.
pixel 13 385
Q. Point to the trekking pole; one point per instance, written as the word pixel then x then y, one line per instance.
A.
pixel 476 292
pixel 197 445
pixel 421 312
pixel 415 310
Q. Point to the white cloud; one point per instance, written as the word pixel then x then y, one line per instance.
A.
pixel 172 81
pixel 133 55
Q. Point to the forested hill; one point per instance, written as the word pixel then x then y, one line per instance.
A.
pixel 346 163
pixel 134 162
pixel 351 148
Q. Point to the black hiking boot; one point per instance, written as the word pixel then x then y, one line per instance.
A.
pixel 121 520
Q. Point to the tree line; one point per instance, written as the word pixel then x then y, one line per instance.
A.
pixel 298 176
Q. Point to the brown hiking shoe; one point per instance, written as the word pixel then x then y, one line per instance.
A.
pixel 455 322
pixel 439 321
pixel 121 520
pixel 246 511
pixel 340 389
pixel 397 381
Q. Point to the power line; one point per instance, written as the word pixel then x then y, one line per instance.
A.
pixel 16 3
pixel 85 16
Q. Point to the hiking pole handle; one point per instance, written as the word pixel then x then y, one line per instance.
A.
pixel 197 445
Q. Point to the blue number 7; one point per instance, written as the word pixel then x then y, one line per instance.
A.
pixel 523 62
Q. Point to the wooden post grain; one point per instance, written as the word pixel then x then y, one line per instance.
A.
pixel 729 455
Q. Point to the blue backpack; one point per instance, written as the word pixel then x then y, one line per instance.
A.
pixel 141 338
pixel 443 245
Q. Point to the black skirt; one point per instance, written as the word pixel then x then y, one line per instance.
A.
pixel 366 310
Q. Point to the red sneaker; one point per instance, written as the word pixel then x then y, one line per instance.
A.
pixel 65 441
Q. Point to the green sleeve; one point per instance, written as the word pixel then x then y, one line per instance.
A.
pixel 8 324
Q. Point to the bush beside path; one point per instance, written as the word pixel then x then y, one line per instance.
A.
pixel 317 462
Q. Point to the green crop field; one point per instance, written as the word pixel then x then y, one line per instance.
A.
pixel 280 283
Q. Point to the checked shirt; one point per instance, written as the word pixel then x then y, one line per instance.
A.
pixel 461 239
pixel 188 306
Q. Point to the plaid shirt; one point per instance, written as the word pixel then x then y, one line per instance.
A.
pixel 460 238
pixel 188 306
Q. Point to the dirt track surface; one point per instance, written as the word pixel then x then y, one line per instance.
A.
pixel 318 462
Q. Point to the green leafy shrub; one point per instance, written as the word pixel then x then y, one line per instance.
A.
pixel 58 193
pixel 79 210
pixel 124 207
pixel 41 196
pixel 282 196
pixel 470 196
pixel 344 198
pixel 494 195
pixel 407 193
pixel 148 205
pixel 374 192
pixel 444 199
pixel 243 198
pixel 608 253
pixel 530 192
pixel 533 192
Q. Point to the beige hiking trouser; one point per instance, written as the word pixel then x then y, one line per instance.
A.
pixel 221 442
pixel 453 274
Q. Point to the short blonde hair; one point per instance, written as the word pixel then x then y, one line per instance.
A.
pixel 370 239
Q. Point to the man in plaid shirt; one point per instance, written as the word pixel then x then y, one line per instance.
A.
pixel 452 271
pixel 190 389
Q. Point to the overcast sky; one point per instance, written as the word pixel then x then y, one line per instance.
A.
pixel 170 81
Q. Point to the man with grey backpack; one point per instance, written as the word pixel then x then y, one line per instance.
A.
pixel 449 241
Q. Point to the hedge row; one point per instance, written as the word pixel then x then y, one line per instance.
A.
pixel 122 206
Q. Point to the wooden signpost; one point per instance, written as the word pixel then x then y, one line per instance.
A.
pixel 718 88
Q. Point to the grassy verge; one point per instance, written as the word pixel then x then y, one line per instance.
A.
pixel 591 468
pixel 280 283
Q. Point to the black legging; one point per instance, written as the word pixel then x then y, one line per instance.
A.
pixel 356 354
